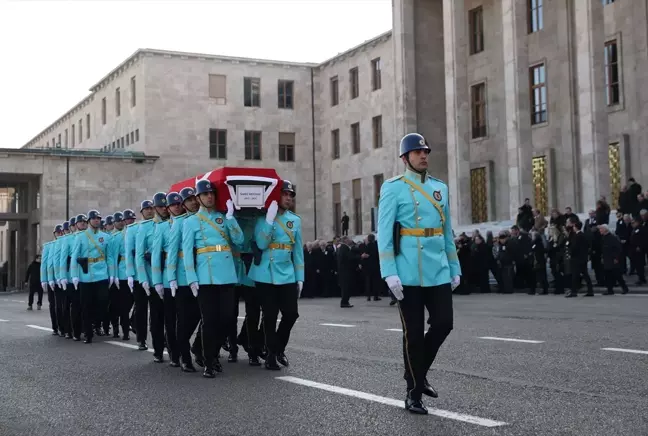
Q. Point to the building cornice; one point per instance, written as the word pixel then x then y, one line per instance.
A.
pixel 77 154
pixel 373 42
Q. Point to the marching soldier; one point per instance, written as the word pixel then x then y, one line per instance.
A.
pixel 55 253
pixel 47 277
pixel 91 266
pixel 143 248
pixel 159 258
pixel 279 276
pixel 188 312
pixel 208 236
pixel 139 294
pixel 73 293
pixel 124 299
pixel 109 224
pixel 61 274
pixel 415 229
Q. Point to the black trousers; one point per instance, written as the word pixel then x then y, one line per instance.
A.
pixel 188 314
pixel 170 325
pixel 157 323
pixel 419 349
pixel 62 315
pixel 541 277
pixel 345 289
pixel 33 290
pixel 251 334
pixel 94 304
pixel 373 284
pixel 215 302
pixel 578 270
pixel 277 298
pixel 125 304
pixel 614 276
pixel 141 312
pixel 74 301
pixel 51 299
pixel 232 329
pixel 112 315
pixel 506 281
pixel 638 262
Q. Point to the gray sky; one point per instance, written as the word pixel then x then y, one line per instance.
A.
pixel 53 51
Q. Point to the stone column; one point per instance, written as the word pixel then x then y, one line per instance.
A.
pixel 592 109
pixel 457 109
pixel 517 103
pixel 403 35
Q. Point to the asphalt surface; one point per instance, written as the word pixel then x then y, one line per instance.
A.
pixel 346 378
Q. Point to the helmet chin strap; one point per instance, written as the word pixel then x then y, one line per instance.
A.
pixel 423 173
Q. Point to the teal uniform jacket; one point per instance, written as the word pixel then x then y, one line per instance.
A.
pixel 130 238
pixel 51 277
pixel 143 245
pixel 65 245
pixel 44 262
pixel 212 235
pixel 424 259
pixel 175 269
pixel 119 248
pixel 282 261
pixel 160 245
pixel 247 226
pixel 55 253
pixel 94 246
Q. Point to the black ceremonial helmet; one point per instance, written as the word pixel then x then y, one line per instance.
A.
pixel 287 186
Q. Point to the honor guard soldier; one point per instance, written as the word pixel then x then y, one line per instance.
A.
pixel 55 255
pixel 124 299
pixel 418 260
pixel 61 274
pixel 188 312
pixel 159 259
pixel 207 239
pixel 112 315
pixel 139 294
pixel 279 275
pixel 109 224
pixel 49 253
pixel 143 252
pixel 91 266
pixel 73 293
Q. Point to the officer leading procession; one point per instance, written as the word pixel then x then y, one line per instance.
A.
pixel 180 271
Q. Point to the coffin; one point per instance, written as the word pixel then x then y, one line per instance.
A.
pixel 250 189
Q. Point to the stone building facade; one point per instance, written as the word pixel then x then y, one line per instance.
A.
pixel 518 98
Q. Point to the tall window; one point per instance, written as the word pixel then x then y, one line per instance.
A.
pixel 376 79
pixel 535 18
pixel 286 147
pixel 251 92
pixel 357 206
pixel 612 87
pixel 218 88
pixel 476 25
pixel 335 96
pixel 103 111
pixel 252 145
pixel 378 181
pixel 376 130
pixel 66 138
pixel 217 143
pixel 538 94
pixel 335 143
pixel 80 130
pixel 73 129
pixel 117 102
pixel 133 91
pixel 353 82
pixel 87 126
pixel 355 138
pixel 59 140
pixel 337 209
pixel 478 103
pixel 285 94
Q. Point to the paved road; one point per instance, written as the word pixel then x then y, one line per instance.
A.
pixel 346 376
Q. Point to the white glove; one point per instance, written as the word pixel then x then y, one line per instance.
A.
pixel 52 285
pixel 75 282
pixel 131 284
pixel 58 283
pixel 44 286
pixel 64 284
pixel 456 280
pixel 173 285
pixel 194 289
pixel 117 283
pixel 230 210
pixel 272 212
pixel 147 288
pixel 395 286
pixel 160 290
pixel 300 287
pixel 111 280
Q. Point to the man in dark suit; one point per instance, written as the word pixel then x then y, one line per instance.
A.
pixel 371 269
pixel 347 264
pixel 578 253
pixel 612 257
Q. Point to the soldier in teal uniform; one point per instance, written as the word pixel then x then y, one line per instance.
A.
pixel 143 256
pixel 43 267
pixel 279 276
pixel 188 312
pixel 109 226
pixel 418 260
pixel 50 254
pixel 140 296
pixel 91 267
pixel 159 258
pixel 58 294
pixel 124 300
pixel 73 293
pixel 61 274
pixel 207 239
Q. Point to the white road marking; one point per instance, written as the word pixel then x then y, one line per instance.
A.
pixel 241 317
pixel 131 346
pixel 394 330
pixel 526 341
pixel 393 402
pixel 47 329
pixel 4 320
pixel 17 301
pixel 625 350
pixel 338 325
